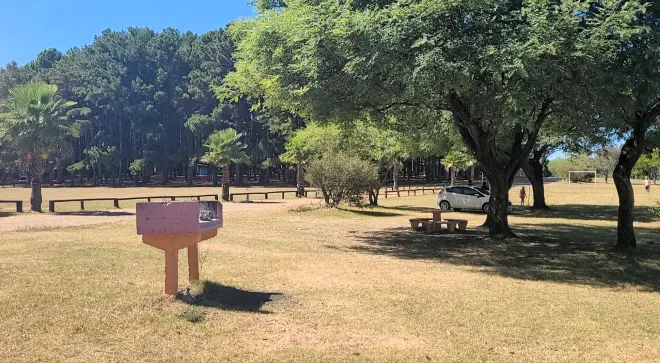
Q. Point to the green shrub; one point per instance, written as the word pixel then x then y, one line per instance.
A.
pixel 342 178
pixel 655 209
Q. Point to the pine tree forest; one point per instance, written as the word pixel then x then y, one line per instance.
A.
pixel 149 102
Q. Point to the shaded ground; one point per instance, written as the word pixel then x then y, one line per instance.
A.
pixel 550 252
pixel 215 295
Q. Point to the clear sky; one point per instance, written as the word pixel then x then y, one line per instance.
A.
pixel 30 26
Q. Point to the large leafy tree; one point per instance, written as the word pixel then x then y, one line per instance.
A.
pixel 628 82
pixel 37 124
pixel 224 148
pixel 308 144
pixel 606 160
pixel 496 70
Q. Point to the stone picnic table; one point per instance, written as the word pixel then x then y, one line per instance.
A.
pixel 435 223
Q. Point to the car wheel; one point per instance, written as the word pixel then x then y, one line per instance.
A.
pixel 444 205
pixel 485 208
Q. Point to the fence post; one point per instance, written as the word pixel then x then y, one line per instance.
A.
pixel 19 206
pixel 116 201
pixel 51 206
pixel 216 196
pixel 172 198
pixel 231 197
pixel 82 205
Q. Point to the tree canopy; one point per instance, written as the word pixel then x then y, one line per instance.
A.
pixel 494 70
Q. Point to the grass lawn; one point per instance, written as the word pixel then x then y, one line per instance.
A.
pixel 344 286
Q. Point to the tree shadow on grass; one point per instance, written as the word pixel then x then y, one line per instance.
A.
pixel 586 212
pixel 575 254
pixel 411 208
pixel 371 213
pixel 212 294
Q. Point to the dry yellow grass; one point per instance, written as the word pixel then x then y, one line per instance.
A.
pixel 356 285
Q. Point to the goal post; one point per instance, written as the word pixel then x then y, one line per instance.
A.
pixel 583 172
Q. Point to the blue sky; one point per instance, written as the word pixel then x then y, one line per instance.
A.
pixel 30 26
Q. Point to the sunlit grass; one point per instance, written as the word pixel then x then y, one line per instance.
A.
pixel 356 286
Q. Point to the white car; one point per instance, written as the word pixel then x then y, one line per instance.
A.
pixel 470 197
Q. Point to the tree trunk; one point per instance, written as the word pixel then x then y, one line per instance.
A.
pixel 164 175
pixel 472 174
pixel 373 196
pixel 300 179
pixel 630 152
pixel 497 220
pixel 226 178
pixel 60 175
pixel 326 197
pixel 606 177
pixel 191 173
pixel 214 174
pixel 483 145
pixel 36 171
pixel 408 167
pixel 453 175
pixel 239 174
pixel 533 169
pixel 395 174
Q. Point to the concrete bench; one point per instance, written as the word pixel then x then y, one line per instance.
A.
pixel 416 223
pixel 461 224
pixel 430 225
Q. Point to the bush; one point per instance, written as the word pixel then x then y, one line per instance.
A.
pixel 561 166
pixel 582 177
pixel 655 210
pixel 342 178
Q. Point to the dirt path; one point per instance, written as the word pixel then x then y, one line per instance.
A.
pixel 72 219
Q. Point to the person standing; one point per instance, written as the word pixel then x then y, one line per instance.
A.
pixel 523 195
pixel 647 184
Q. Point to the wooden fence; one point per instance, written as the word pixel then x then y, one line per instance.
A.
pixel 18 203
pixel 51 203
pixel 264 194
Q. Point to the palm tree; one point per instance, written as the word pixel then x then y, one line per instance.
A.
pixel 457 159
pixel 36 124
pixel 224 147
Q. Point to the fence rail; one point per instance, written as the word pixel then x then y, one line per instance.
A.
pixel 386 193
pixel 51 203
pixel 408 191
pixel 18 203
pixel 265 194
